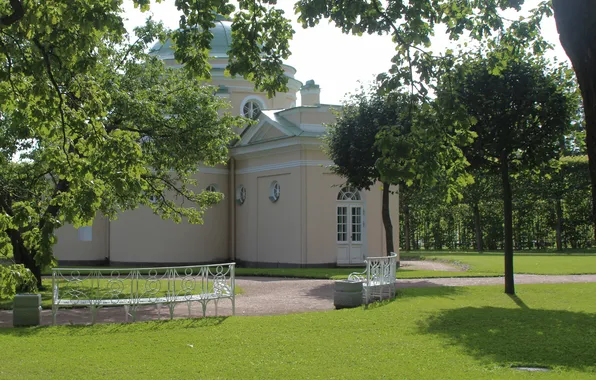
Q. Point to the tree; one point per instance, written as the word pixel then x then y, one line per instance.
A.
pixel 352 144
pixel 100 126
pixel 568 175
pixel 520 117
pixel 577 33
pixel 392 138
pixel 481 190
pixel 413 23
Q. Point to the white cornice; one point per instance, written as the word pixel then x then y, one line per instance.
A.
pixel 210 170
pixel 252 150
pixel 284 165
pixel 317 128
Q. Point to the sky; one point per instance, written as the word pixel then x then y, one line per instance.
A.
pixel 336 61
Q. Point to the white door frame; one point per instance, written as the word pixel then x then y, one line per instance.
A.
pixel 347 201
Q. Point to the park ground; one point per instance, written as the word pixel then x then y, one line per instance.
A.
pixel 429 332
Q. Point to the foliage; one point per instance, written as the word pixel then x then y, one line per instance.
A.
pixel 412 24
pixel 393 138
pixel 91 123
pixel 449 332
pixel 15 278
pixel 519 116
pixel 537 194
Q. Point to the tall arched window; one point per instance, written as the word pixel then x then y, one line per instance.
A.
pixel 348 194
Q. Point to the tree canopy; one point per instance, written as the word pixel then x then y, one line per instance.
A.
pixel 89 122
pixel 392 138
pixel 413 23
pixel 519 117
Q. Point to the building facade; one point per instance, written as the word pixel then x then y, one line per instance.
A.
pixel 282 206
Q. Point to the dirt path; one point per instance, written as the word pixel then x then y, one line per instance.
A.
pixel 272 296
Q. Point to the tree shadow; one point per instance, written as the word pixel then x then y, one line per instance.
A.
pixel 520 337
pixel 426 289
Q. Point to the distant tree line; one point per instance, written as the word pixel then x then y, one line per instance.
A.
pixel 551 209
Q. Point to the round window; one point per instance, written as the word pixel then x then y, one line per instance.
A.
pixel 251 109
pixel 212 188
pixel 274 191
pixel 240 194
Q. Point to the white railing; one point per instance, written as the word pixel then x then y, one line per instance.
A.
pixel 133 287
pixel 378 279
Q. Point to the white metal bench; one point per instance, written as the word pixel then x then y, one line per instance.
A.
pixel 378 279
pixel 133 287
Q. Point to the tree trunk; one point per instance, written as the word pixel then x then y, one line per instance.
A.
pixel 23 256
pixel 477 227
pixel 559 227
pixel 387 220
pixel 508 219
pixel 577 33
pixel 407 227
pixel 437 235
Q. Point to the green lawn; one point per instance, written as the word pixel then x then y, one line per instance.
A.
pixel 430 333
pixel 478 265
pixel 492 263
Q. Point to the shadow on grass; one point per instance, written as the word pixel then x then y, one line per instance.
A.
pixel 426 289
pixel 114 328
pixel 430 291
pixel 520 337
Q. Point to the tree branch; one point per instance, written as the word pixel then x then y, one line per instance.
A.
pixel 17 13
pixel 48 65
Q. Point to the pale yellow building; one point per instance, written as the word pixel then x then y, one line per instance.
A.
pixel 282 206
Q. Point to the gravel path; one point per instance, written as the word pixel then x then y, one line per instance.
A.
pixel 272 296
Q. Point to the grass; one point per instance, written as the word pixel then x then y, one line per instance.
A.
pixel 428 333
pixel 156 289
pixel 492 263
pixel 489 264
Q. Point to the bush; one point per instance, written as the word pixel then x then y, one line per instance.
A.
pixel 15 278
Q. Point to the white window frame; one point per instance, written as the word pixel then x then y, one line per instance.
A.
pixel 214 187
pixel 274 191
pixel 252 98
pixel 240 194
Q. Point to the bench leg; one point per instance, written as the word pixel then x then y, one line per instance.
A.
pixel 233 305
pixel 171 306
pixel 54 312
pixel 215 307
pixel 93 314
pixel 204 306
pixel 158 306
pixel 126 312
pixel 188 303
pixel 133 312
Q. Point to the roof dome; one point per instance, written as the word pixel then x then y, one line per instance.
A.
pixel 220 44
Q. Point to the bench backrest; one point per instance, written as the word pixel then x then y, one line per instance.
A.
pixel 143 284
pixel 381 270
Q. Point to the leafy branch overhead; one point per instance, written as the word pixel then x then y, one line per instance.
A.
pixel 90 123
pixel 394 139
pixel 412 25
